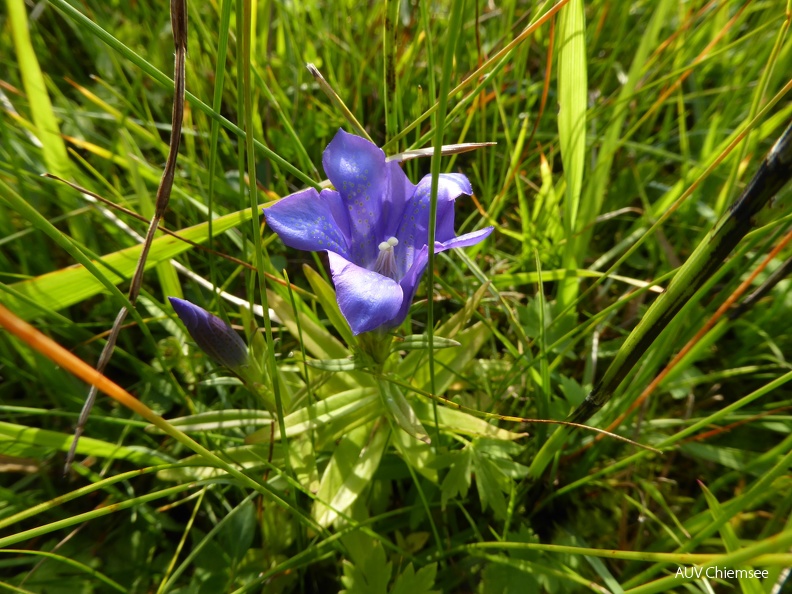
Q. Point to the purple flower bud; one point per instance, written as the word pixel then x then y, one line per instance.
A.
pixel 215 337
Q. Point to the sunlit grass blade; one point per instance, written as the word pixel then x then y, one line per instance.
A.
pixel 772 175
pixel 48 132
pixel 66 287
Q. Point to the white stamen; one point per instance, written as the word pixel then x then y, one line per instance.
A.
pixel 386 261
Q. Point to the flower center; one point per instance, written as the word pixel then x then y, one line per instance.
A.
pixel 386 261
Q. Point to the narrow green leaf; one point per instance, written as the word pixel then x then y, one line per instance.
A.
pixel 217 420
pixel 401 411
pixel 345 405
pixel 731 541
pixel 417 342
pixel 347 364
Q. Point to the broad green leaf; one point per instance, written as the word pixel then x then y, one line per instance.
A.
pixel 416 582
pixel 418 454
pixel 350 471
pixel 491 483
pixel 457 482
pixel 237 535
pixel 456 421
pixel 370 575
pixel 302 456
pixel 329 434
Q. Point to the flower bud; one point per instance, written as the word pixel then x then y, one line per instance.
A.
pixel 214 336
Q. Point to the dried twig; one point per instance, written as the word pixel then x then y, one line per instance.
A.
pixel 178 12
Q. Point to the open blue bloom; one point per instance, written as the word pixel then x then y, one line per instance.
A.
pixel 215 337
pixel 374 227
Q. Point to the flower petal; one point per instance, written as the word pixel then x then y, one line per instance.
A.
pixel 367 299
pixel 311 221
pixel 374 192
pixel 465 240
pixel 409 283
pixel 413 233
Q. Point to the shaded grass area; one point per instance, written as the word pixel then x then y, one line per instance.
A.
pixel 579 175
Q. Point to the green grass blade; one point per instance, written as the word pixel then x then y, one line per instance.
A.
pixel 572 97
pixel 66 287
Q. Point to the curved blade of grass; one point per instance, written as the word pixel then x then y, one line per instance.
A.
pixel 21 439
pixel 165 81
pixel 572 97
pixel 774 172
pixel 91 272
pixel 77 519
pixel 47 506
pixel 572 91
pixel 68 286
pixel 53 148
pixel 479 75
pixel 178 17
pixel 454 23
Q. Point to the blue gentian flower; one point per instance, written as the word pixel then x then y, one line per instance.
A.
pixel 374 227
pixel 214 336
